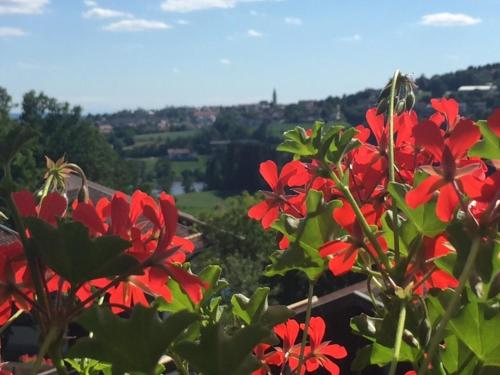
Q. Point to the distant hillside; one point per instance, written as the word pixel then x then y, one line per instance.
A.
pixel 347 108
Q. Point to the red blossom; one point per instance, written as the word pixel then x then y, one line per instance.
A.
pixel 292 174
pixel 453 170
pixel 319 353
pixel 345 252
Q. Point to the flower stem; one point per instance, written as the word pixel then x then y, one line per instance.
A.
pixel 392 176
pixel 179 364
pixel 399 339
pixel 306 326
pixel 359 215
pixel 437 337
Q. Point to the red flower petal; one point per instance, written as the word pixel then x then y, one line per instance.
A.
pixel 376 124
pixel 86 214
pixel 462 138
pixel 190 283
pixel 448 107
pixel 53 206
pixel 25 203
pixel 423 192
pixel 331 367
pixel 270 217
pixel 288 332
pixel 170 214
pixel 342 263
pixel 494 122
pixel 269 172
pixel 120 215
pixel 335 351
pixel 258 211
pixel 447 203
pixel 316 331
pixel 428 135
pixel 333 247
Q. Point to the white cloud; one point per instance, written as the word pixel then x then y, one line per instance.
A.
pixel 351 38
pixel 136 25
pixel 293 21
pixel 254 33
pixel 22 6
pixel 183 22
pixel 449 19
pixel 225 61
pixel 7 32
pixel 90 3
pixel 254 13
pixel 105 13
pixel 184 6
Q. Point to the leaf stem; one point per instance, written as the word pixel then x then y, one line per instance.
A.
pixel 392 176
pixel 306 326
pixel 437 337
pixel 399 339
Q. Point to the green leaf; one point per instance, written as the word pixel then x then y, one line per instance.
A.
pixel 366 326
pixel 306 238
pixel 217 352
pixel 257 310
pixel 408 233
pixel 303 259
pixel 297 143
pixel 457 358
pixel 130 345
pixel 489 146
pixel 423 217
pixel 250 309
pixel 341 144
pixel 376 354
pixel 480 335
pixel 70 252
pixel 471 325
pixel 180 300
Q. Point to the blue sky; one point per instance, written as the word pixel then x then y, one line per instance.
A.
pixel 112 54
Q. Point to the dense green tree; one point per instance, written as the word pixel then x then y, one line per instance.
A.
pixel 164 173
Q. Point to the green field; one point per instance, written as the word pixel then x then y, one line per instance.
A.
pixel 202 202
pixel 179 166
pixel 142 139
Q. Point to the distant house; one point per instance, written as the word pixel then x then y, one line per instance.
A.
pixel 105 128
pixel 181 154
pixel 488 87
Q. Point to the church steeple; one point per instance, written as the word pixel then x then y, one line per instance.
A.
pixel 275 97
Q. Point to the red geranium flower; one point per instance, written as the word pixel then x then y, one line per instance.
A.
pixel 452 170
pixel 447 109
pixel 292 174
pixel 319 353
pixel 434 248
pixel 345 252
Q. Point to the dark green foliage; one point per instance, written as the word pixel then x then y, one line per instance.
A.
pixel 70 251
pixel 130 345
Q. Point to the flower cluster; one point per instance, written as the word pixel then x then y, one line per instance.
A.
pixel 431 158
pixel 149 227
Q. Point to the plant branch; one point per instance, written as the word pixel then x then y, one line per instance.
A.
pixel 437 337
pixel 392 177
pixel 359 215
pixel 399 339
pixel 306 326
